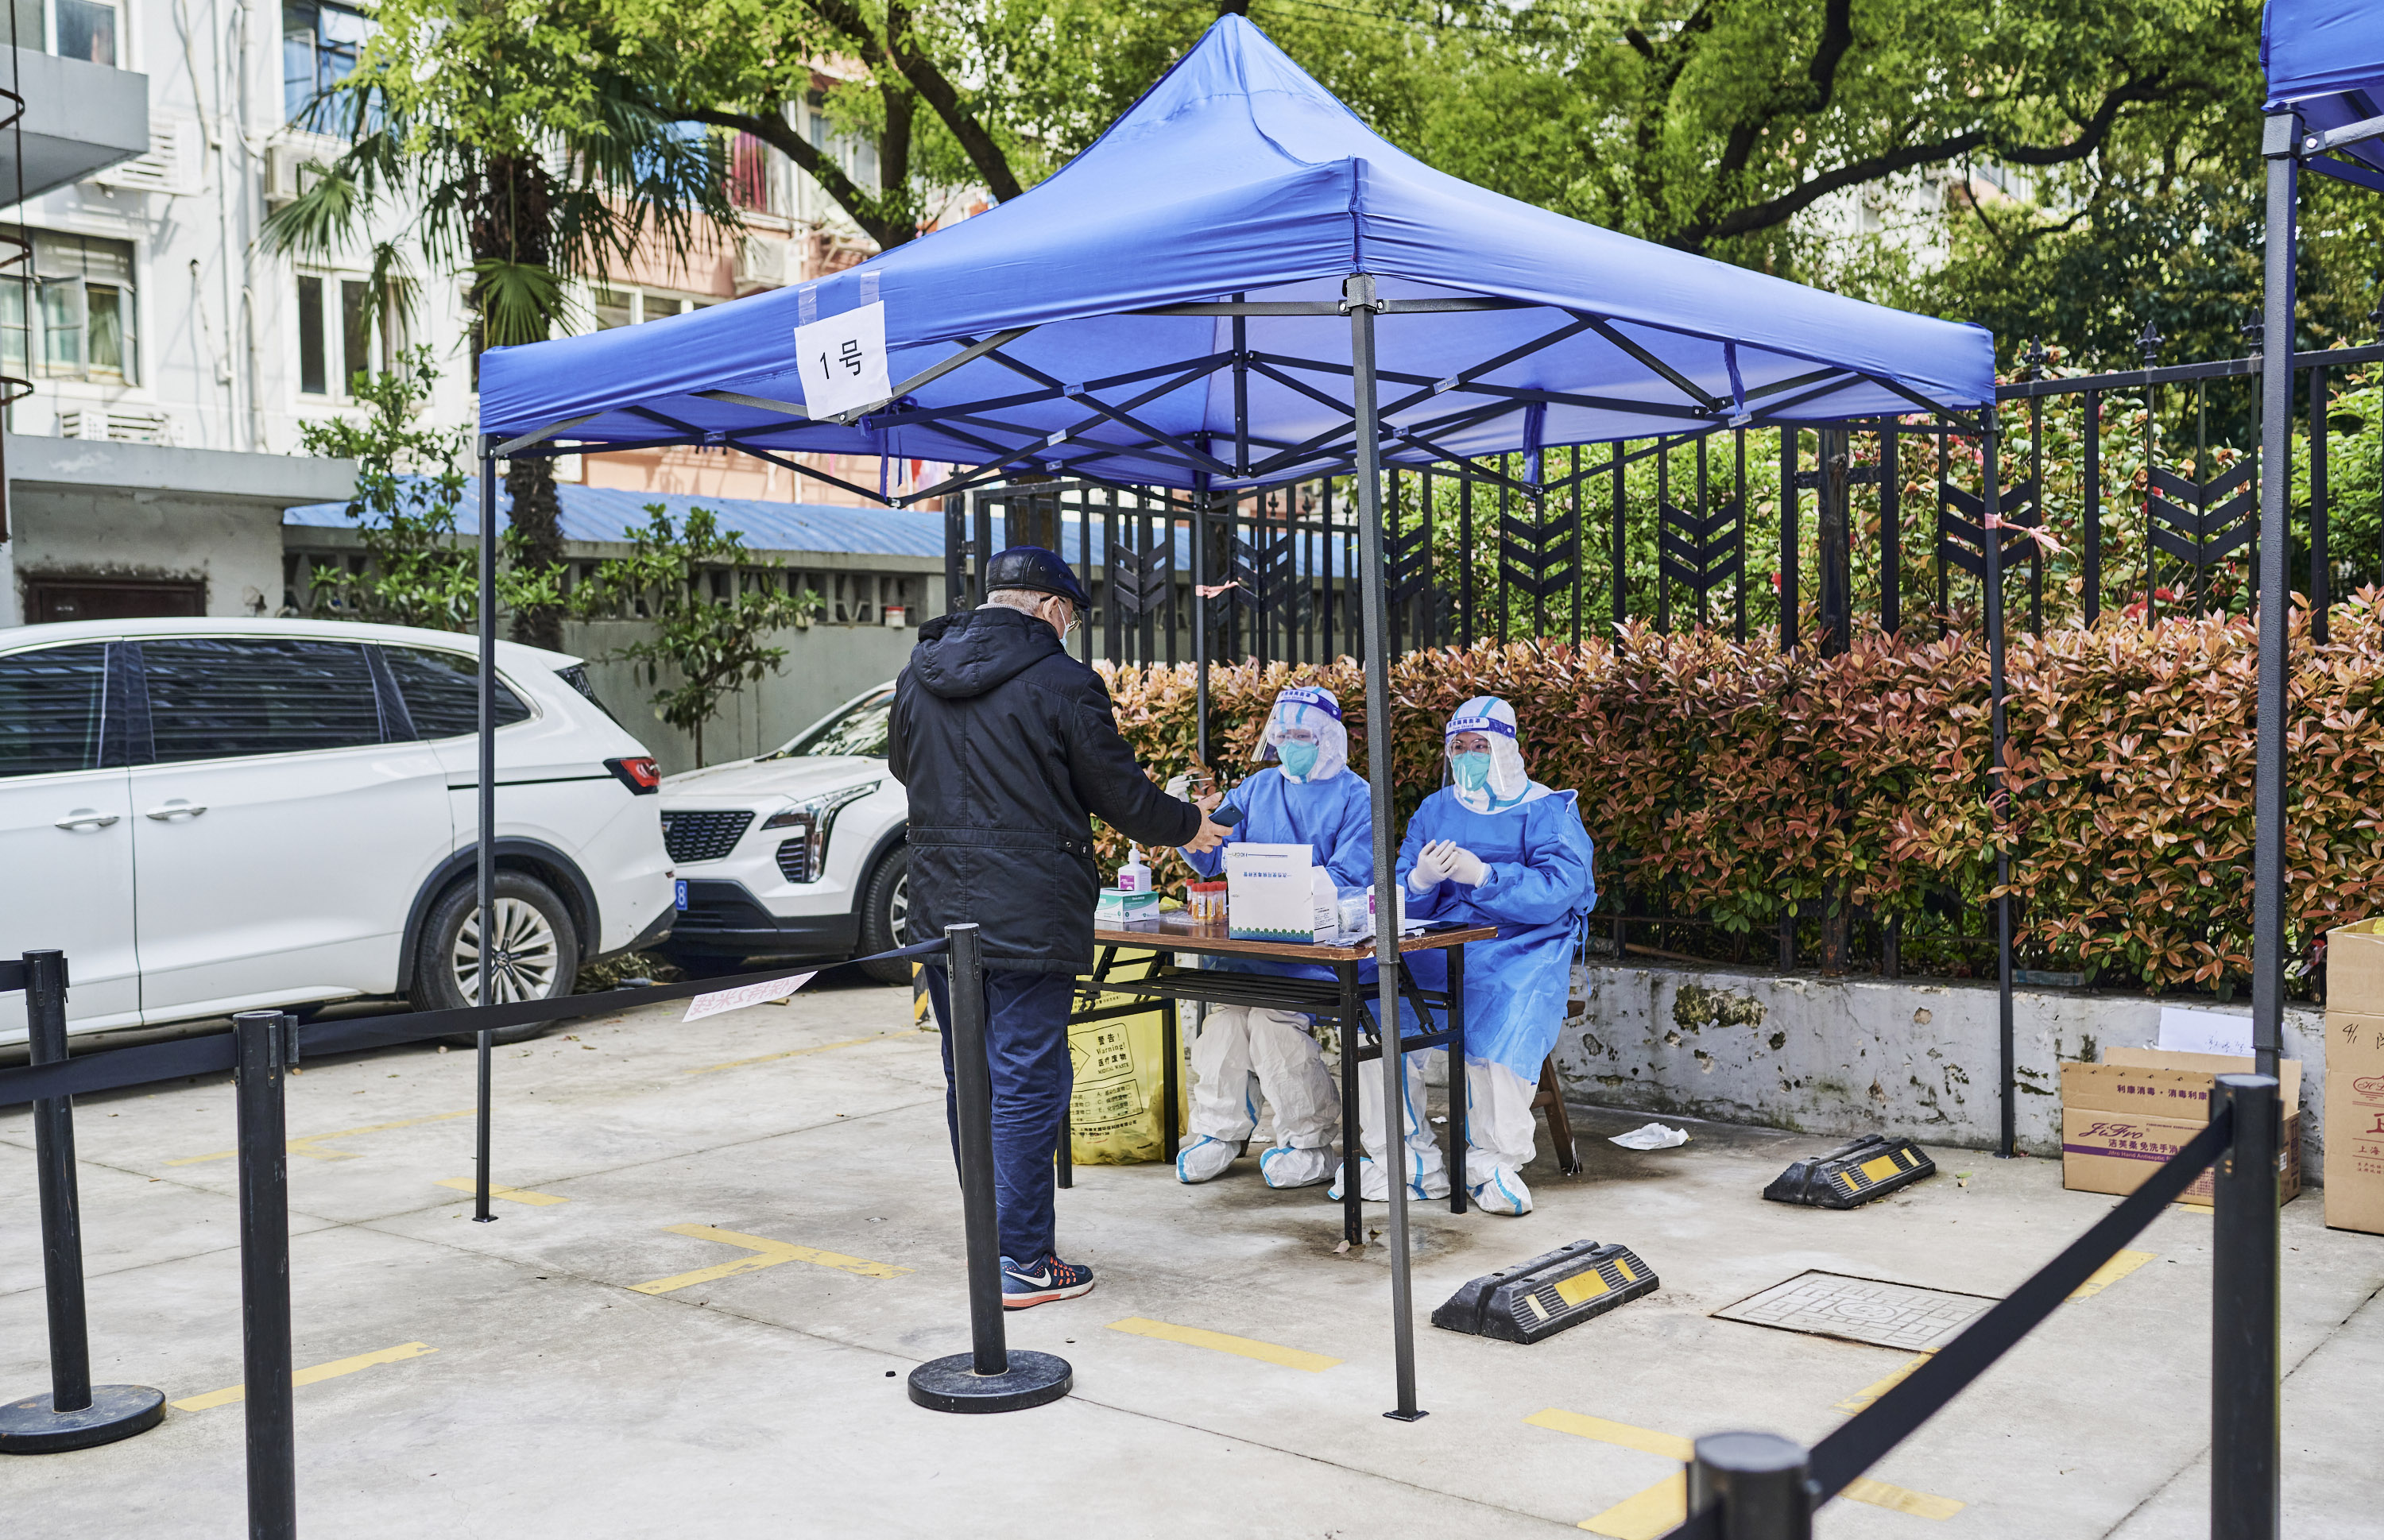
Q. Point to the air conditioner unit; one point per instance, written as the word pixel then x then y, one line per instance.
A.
pixel 170 166
pixel 763 263
pixel 290 169
pixel 120 427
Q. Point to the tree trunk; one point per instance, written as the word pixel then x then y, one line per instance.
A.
pixel 538 516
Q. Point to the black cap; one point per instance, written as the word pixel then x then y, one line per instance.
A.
pixel 1031 566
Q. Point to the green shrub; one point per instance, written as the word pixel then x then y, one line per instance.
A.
pixel 1727 782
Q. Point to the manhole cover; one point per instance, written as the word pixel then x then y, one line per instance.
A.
pixel 1861 1310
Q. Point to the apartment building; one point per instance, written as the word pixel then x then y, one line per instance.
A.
pixel 171 359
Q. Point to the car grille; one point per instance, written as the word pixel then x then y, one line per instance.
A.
pixel 795 858
pixel 703 835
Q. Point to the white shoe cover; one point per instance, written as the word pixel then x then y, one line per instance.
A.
pixel 1374 1183
pixel 1285 1167
pixel 1205 1160
pixel 1502 1193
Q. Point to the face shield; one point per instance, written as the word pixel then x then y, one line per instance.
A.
pixel 1491 779
pixel 1304 734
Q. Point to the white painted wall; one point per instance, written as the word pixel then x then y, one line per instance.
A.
pixel 1866 1055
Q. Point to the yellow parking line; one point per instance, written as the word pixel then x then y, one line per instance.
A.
pixel 511 1195
pixel 1644 1515
pixel 1644 1440
pixel 1220 1342
pixel 1900 1499
pixel 766 1253
pixel 1663 1506
pixel 330 1371
pixel 305 1146
pixel 2119 1266
pixel 789 1053
pixel 1861 1399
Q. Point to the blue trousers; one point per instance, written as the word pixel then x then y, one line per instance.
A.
pixel 1026 1048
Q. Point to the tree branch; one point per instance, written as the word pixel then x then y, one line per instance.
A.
pixel 934 88
pixel 1776 211
pixel 889 228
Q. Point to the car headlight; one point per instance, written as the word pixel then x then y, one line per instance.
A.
pixel 803 856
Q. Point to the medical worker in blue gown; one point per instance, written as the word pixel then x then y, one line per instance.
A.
pixel 1493 847
pixel 1307 797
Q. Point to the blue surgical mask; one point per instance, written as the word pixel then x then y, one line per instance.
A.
pixel 1298 759
pixel 1473 771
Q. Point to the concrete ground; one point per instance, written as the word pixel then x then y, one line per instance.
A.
pixel 511 1379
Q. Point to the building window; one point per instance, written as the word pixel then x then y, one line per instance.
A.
pixel 87 30
pixel 319 44
pixel 619 307
pixel 336 328
pixel 748 173
pixel 82 322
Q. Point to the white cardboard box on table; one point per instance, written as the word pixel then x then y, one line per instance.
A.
pixel 1278 893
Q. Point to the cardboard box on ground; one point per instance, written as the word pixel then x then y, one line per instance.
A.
pixel 2354 1077
pixel 2121 1118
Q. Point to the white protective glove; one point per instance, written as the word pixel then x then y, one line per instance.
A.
pixel 1462 866
pixel 1181 787
pixel 1428 873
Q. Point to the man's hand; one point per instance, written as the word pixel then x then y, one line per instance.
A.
pixel 1210 802
pixel 1208 838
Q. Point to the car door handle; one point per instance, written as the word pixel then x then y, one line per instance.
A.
pixel 175 809
pixel 86 818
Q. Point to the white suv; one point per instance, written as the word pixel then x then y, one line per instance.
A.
pixel 219 815
pixel 798 853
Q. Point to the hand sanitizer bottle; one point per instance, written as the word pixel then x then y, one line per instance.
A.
pixel 1133 877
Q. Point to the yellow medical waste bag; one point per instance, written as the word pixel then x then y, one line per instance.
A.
pixel 1114 1113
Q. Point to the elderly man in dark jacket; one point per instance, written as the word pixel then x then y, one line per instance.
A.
pixel 1009 747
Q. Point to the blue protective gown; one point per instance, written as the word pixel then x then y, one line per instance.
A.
pixel 1540 885
pixel 1333 818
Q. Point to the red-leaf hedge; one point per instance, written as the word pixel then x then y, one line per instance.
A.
pixel 1736 780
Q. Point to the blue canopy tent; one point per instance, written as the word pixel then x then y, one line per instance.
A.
pixel 1239 285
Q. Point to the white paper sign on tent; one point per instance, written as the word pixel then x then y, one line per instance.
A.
pixel 843 361
pixel 2183 1030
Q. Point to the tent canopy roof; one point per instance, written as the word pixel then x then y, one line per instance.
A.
pixel 2326 57
pixel 1239 175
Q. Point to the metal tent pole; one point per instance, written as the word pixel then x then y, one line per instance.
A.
pixel 2283 129
pixel 1999 793
pixel 1358 298
pixel 486 798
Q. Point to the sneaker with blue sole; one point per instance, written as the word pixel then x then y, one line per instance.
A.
pixel 1026 1285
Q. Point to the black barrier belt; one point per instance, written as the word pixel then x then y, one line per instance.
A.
pixel 213 1054
pixel 1863 1440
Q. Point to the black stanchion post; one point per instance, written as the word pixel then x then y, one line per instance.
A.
pixel 2245 1489
pixel 989 1377
pixel 76 1414
pixel 262 1039
pixel 1758 1480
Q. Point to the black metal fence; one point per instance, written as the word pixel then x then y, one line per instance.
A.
pixel 2133 489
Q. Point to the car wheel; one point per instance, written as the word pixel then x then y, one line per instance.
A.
pixel 886 917
pixel 537 947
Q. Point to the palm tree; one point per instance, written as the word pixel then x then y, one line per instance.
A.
pixel 516 163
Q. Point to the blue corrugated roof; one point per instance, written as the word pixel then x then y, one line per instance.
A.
pixel 603 512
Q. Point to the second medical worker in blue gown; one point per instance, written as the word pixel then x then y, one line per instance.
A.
pixel 1493 847
pixel 1308 797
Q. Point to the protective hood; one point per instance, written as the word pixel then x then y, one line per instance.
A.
pixel 1507 785
pixel 1304 714
pixel 965 654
